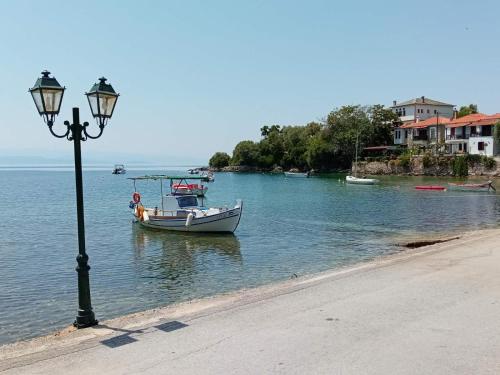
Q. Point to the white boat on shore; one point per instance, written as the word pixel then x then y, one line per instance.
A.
pixel 184 213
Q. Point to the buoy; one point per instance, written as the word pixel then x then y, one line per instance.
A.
pixel 136 197
pixel 189 219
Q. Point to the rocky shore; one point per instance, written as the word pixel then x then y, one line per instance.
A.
pixel 416 167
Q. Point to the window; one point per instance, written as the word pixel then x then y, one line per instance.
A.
pixel 428 111
pixel 480 146
pixel 459 147
pixel 187 201
pixel 435 111
pixel 404 111
pixel 486 131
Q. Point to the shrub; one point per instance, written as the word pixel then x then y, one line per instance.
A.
pixel 473 159
pixel 444 162
pixel 488 162
pixel 404 161
pixel 427 161
pixel 460 167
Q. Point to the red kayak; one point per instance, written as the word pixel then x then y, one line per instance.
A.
pixel 430 187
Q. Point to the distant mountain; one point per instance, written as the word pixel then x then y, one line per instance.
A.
pixel 18 159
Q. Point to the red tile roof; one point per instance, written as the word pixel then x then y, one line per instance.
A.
pixel 433 121
pixel 463 121
pixel 474 120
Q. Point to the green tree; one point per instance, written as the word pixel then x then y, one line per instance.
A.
pixel 219 160
pixel 344 126
pixel 382 121
pixel 295 147
pixel 271 150
pixel 497 132
pixel 467 110
pixel 246 153
pixel 319 154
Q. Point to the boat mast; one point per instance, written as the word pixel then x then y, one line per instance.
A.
pixel 356 157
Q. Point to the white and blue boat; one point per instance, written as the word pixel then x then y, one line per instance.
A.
pixel 184 213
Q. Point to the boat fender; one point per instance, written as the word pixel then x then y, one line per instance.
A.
pixel 189 219
pixel 131 205
pixel 136 197
pixel 140 213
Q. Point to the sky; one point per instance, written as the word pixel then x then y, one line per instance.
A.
pixel 196 77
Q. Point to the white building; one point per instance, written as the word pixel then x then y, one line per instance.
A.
pixel 473 134
pixel 418 109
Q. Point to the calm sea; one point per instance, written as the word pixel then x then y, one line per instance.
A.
pixel 289 226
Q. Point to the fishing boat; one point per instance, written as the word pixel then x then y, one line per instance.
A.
pixel 359 180
pixel 430 187
pixel 119 169
pixel 297 174
pixel 183 213
pixel 485 186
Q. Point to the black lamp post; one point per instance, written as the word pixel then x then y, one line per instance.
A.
pixel 47 95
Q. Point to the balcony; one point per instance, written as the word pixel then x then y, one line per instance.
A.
pixel 456 137
pixel 420 137
pixel 484 134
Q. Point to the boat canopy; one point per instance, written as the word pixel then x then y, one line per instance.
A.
pixel 165 177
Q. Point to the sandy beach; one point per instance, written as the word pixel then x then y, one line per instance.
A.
pixel 432 310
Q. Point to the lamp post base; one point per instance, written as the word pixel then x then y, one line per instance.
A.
pixel 85 319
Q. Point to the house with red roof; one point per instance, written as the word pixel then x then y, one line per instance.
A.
pixel 416 110
pixel 473 134
pixel 427 132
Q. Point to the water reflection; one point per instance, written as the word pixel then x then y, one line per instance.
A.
pixel 181 262
pixel 189 244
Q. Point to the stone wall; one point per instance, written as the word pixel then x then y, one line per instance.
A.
pixel 441 166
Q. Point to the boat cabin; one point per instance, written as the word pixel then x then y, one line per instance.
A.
pixel 179 202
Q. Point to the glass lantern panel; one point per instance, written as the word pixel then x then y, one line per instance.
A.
pixel 107 102
pixel 37 97
pixel 52 99
pixel 93 104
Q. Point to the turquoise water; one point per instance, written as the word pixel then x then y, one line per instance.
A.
pixel 289 226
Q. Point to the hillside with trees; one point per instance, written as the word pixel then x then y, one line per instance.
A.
pixel 322 146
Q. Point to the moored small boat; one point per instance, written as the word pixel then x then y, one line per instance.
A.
pixel 297 174
pixel 430 187
pixel 119 169
pixel 183 213
pixel 361 181
pixel 486 186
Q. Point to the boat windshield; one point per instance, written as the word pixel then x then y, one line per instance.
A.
pixel 187 201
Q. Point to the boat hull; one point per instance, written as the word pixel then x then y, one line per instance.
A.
pixel 430 187
pixel 470 187
pixel 361 181
pixel 296 175
pixel 223 222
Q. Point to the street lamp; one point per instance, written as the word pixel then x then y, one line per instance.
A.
pixel 47 94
